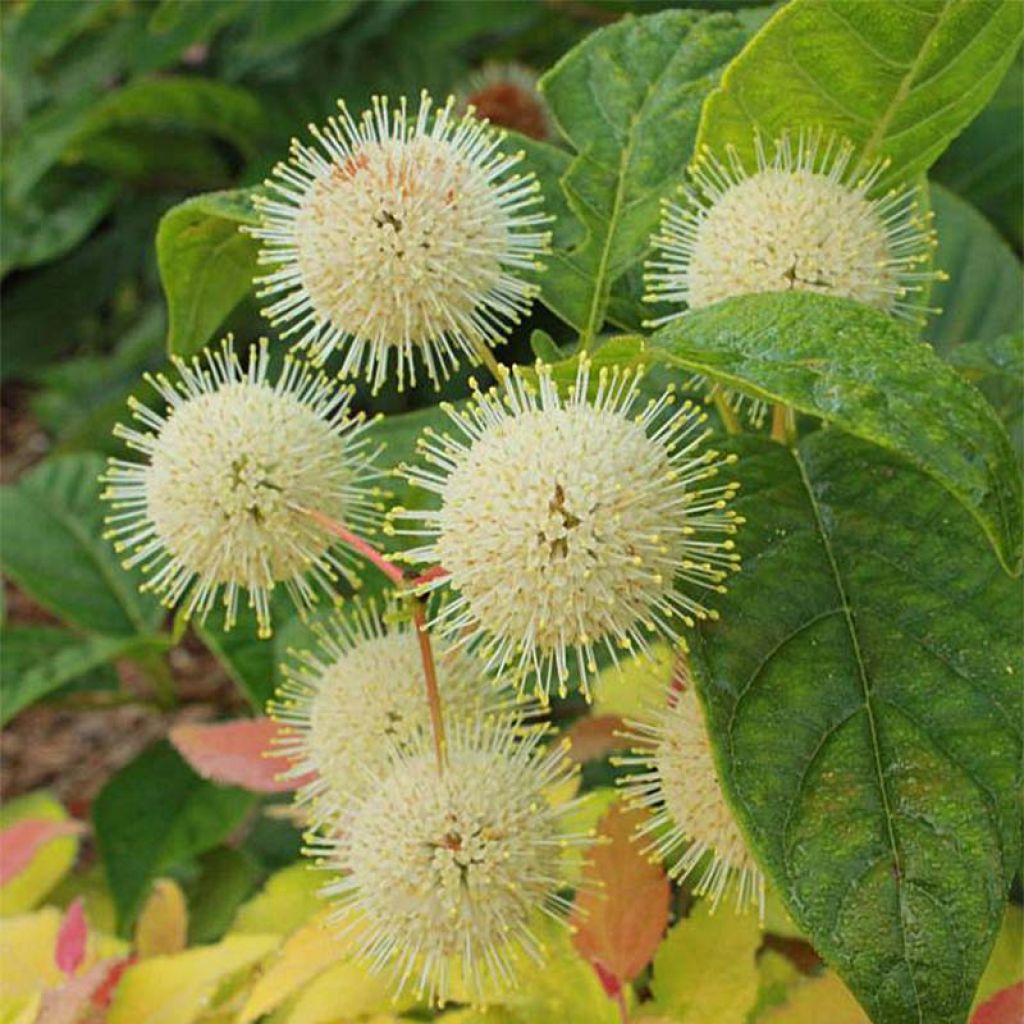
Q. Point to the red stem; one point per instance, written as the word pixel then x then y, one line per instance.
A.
pixel 419 615
pixel 370 553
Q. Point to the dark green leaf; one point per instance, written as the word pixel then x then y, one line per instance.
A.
pixel 628 99
pixel 983 165
pixel 899 80
pixel 51 525
pixel 858 368
pixel 39 660
pixel 157 813
pixel 982 298
pixel 226 877
pixel 863 694
pixel 206 265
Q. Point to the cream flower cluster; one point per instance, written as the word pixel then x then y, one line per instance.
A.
pixel 360 694
pixel 214 506
pixel 400 234
pixel 564 525
pixel 805 220
pixel 692 824
pixel 440 873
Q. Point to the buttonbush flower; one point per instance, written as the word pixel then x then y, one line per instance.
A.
pixel 442 872
pixel 692 824
pixel 398 234
pixel 506 94
pixel 359 693
pixel 804 220
pixel 213 505
pixel 564 525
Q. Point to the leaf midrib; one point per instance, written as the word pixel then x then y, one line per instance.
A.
pixel 869 711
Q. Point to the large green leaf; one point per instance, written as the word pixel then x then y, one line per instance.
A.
pixel 38 660
pixel 982 298
pixel 983 165
pixel 154 814
pixel 206 264
pixel 858 368
pixel 899 80
pixel 51 535
pixel 628 99
pixel 863 692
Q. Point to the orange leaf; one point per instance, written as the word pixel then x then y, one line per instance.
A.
pixel 1005 1007
pixel 621 911
pixel 236 753
pixel 594 737
pixel 21 842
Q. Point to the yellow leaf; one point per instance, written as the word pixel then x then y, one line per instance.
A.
pixel 346 991
pixel 776 917
pixel 625 690
pixel 307 952
pixel 288 900
pixel 817 1000
pixel 583 818
pixel 1005 965
pixel 27 889
pixel 20 1009
pixel 705 969
pixel 178 989
pixel 27 944
pixel 162 927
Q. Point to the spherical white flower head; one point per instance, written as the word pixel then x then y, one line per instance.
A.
pixel 568 524
pixel 399 235
pixel 446 869
pixel 803 221
pixel 215 504
pixel 359 695
pixel 679 782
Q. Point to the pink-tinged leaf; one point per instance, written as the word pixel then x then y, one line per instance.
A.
pixel 66 1005
pixel 71 939
pixel 104 993
pixel 20 842
pixel 621 911
pixel 240 753
pixel 1005 1007
pixel 594 737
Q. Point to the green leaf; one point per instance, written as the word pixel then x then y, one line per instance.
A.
pixel 983 165
pixel 858 368
pixel 277 25
pixel 39 660
pixel 628 99
pixel 863 694
pixel 226 878
pixel 997 368
pixel 899 80
pixel 51 533
pixel 206 264
pixel 982 298
pixel 154 814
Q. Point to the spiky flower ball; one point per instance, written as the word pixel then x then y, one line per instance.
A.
pixel 401 233
pixel 214 505
pixel 347 703
pixel 442 871
pixel 805 220
pixel 506 94
pixel 565 525
pixel 692 824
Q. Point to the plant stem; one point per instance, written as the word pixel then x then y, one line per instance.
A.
pixel 419 616
pixel 620 1001
pixel 730 420
pixel 357 544
pixel 783 425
